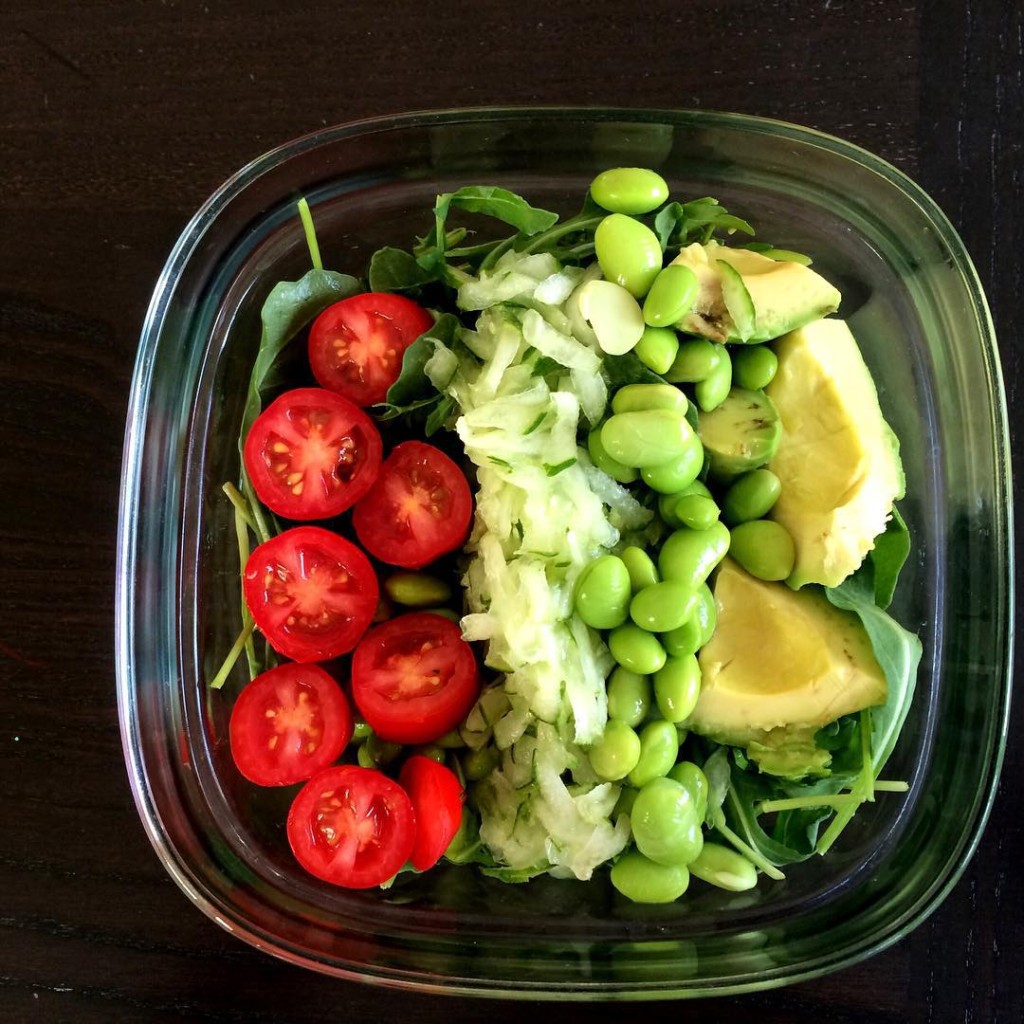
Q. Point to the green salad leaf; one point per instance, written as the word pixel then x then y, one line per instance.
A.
pixel 679 224
pixel 887 558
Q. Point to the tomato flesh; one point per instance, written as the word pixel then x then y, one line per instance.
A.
pixel 414 678
pixel 352 826
pixel 356 346
pixel 287 724
pixel 418 509
pixel 311 593
pixel 311 454
pixel 437 797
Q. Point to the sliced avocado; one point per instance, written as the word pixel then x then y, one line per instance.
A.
pixel 739 434
pixel 780 665
pixel 838 461
pixel 760 300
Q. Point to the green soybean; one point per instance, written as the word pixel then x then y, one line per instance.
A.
pixel 752 496
pixel 764 548
pixel 649 438
pixel 629 696
pixel 754 367
pixel 605 463
pixel 641 568
pixel 360 731
pixel 692 778
pixel 603 593
pixel 624 805
pixel 695 360
pixel 697 630
pixel 657 348
pixel 381 751
pixel 688 556
pixel 677 687
pixel 712 390
pixel 628 252
pixel 662 606
pixel 636 649
pixel 671 296
pixel 679 472
pixel 659 748
pixel 718 865
pixel 416 589
pixel 643 881
pixel 477 764
pixel 446 613
pixel 638 397
pixel 616 753
pixel 664 823
pixel 629 190
pixel 696 511
pixel 433 751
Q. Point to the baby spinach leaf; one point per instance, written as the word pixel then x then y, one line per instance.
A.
pixel 395 270
pixel 413 386
pixel 618 371
pixel 888 557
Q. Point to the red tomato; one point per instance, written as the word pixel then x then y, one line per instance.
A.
pixel 356 345
pixel 436 796
pixel 311 454
pixel 352 826
pixel 289 723
pixel 417 510
pixel 414 678
pixel 311 593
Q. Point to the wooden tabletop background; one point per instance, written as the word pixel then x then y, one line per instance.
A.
pixel 117 120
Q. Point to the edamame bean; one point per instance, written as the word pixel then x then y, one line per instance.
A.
pixel 649 438
pixel 629 696
pixel 433 751
pixel 752 496
pixel 381 751
pixel 628 252
pixel 754 367
pixel 612 314
pixel 616 753
pixel 696 511
pixel 679 472
pixel 667 502
pixel 664 823
pixel 641 568
pixel 659 748
pixel 477 764
pixel 688 556
pixel 677 687
pixel 451 740
pixel 725 868
pixel 713 390
pixel 764 548
pixel 636 649
pixel 624 805
pixel 416 589
pixel 643 881
pixel 605 463
pixel 697 630
pixel 671 296
pixel 638 397
pixel 603 593
pixel 694 361
pixel 629 190
pixel 695 782
pixel 657 348
pixel 662 606
pixel 446 613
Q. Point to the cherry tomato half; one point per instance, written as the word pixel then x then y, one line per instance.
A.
pixel 287 724
pixel 352 826
pixel 356 345
pixel 436 796
pixel 418 509
pixel 311 454
pixel 414 678
pixel 311 593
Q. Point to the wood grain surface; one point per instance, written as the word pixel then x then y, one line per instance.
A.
pixel 116 121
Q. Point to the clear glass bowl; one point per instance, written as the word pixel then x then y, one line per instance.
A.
pixel 916 306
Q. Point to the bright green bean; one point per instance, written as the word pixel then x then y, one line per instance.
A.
pixel 659 748
pixel 692 778
pixel 616 753
pixel 752 496
pixel 679 472
pixel 664 822
pixel 697 630
pixel 445 613
pixel 416 589
pixel 603 593
pixel 671 296
pixel 649 438
pixel 695 360
pixel 631 190
pixel 677 687
pixel 662 606
pixel 479 763
pixel 720 866
pixel 696 511
pixel 433 751
pixel 688 556
pixel 641 568
pixel 667 502
pixel 624 805
pixel 605 463
pixel 754 367
pixel 638 397
pixel 629 696
pixel 643 881
pixel 713 389
pixel 628 252
pixel 764 548
pixel 657 348
pixel 636 649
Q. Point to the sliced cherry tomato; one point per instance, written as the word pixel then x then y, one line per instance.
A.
pixel 311 454
pixel 352 826
pixel 356 345
pixel 311 593
pixel 414 678
pixel 287 724
pixel 436 796
pixel 418 509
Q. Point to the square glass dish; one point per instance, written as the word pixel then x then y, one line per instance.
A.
pixel 917 309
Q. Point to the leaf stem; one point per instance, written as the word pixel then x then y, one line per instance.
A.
pixel 307 226
pixel 241 505
pixel 229 662
pixel 757 859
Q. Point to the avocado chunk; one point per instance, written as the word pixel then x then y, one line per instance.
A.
pixel 740 434
pixel 753 297
pixel 780 665
pixel 838 461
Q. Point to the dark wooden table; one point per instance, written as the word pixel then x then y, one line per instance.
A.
pixel 116 121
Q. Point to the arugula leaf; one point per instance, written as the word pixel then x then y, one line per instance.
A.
pixel 888 557
pixel 413 388
pixel 439 415
pixel 618 371
pixel 395 270
pixel 679 224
